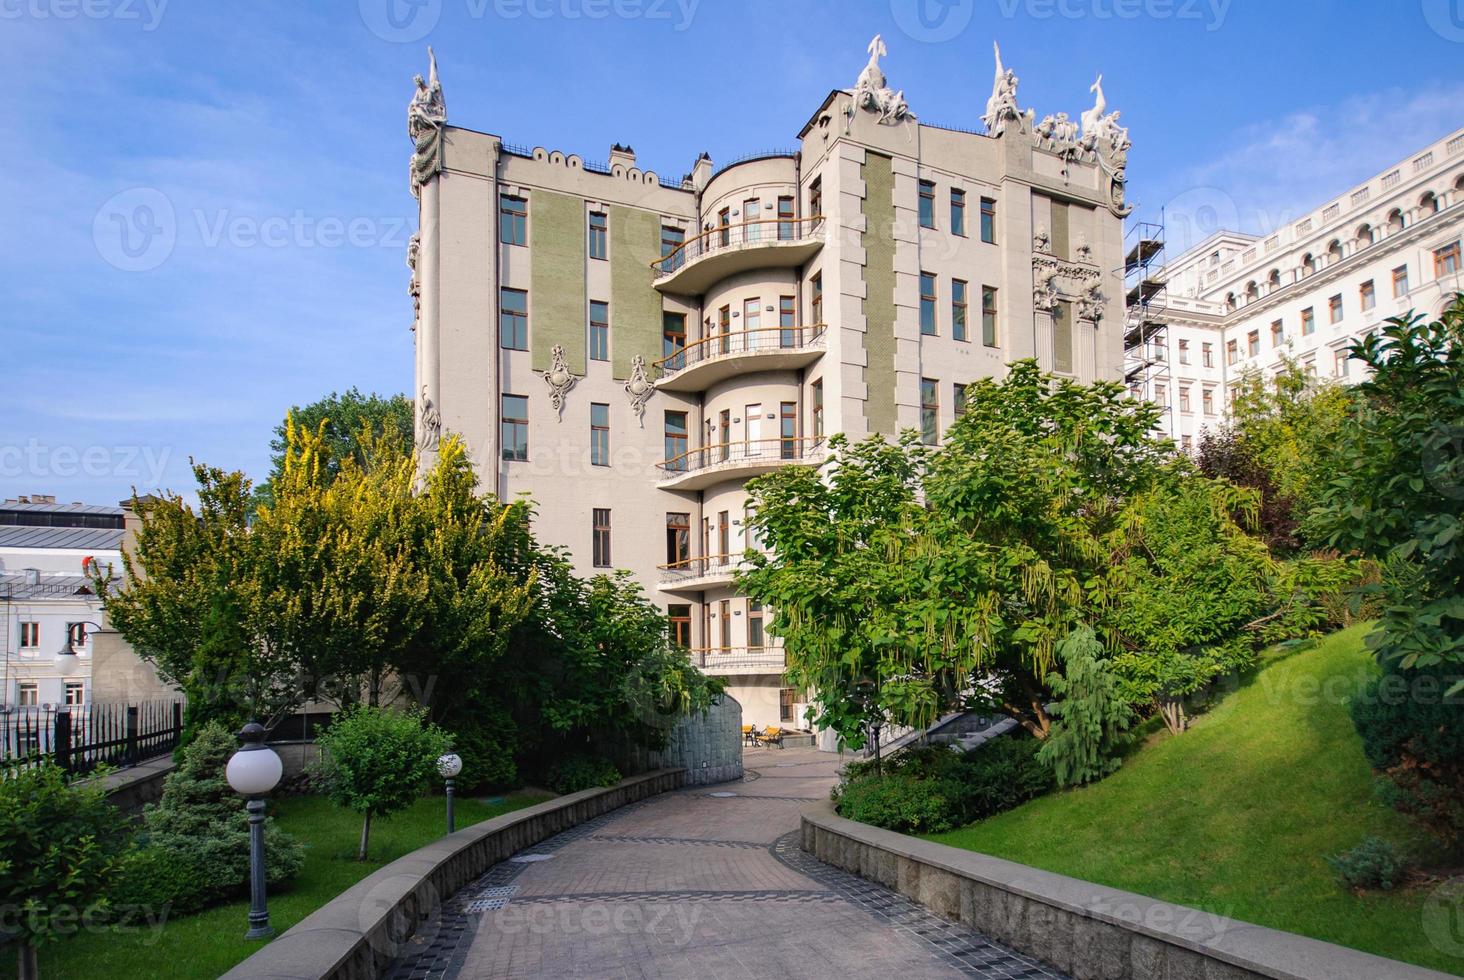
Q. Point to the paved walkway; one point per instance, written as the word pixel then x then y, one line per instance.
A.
pixel 705 883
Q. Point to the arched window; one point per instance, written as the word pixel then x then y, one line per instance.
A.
pixel 1459 184
pixel 1395 221
pixel 1308 264
pixel 1273 281
pixel 1364 235
pixel 1229 302
pixel 1252 291
pixel 1334 252
pixel 1428 204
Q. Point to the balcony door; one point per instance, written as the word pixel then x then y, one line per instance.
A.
pixel 752 431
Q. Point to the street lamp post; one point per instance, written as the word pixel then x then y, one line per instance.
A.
pixel 253 771
pixel 450 765
pixel 67 662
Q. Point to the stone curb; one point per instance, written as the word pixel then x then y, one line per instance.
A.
pixel 357 934
pixel 1088 931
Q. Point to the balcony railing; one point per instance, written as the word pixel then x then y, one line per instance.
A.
pixel 708 566
pixel 761 340
pixel 767 659
pixel 772 231
pixel 790 449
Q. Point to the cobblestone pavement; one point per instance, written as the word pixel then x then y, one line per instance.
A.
pixel 707 883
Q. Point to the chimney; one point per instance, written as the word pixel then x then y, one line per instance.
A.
pixel 623 155
pixel 701 172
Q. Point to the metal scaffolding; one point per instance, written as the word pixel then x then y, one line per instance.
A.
pixel 1146 325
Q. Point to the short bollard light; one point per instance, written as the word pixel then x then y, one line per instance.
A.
pixel 450 765
pixel 253 772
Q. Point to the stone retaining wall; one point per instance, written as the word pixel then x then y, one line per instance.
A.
pixel 708 746
pixel 1088 931
pixel 358 933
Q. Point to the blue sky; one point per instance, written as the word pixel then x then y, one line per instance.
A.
pixel 264 146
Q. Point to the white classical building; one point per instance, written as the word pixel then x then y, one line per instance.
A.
pixel 629 350
pixel 1238 303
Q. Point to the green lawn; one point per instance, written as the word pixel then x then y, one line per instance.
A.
pixel 1236 815
pixel 207 944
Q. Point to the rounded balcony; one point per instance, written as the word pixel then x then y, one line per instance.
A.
pixel 773 243
pixel 697 469
pixel 699 365
pixel 698 574
pixel 727 661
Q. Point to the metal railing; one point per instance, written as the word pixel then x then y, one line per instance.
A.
pixel 792 449
pixel 756 341
pixel 693 568
pixel 769 231
pixel 81 737
pixel 730 658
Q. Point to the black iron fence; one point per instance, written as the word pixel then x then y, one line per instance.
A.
pixel 81 737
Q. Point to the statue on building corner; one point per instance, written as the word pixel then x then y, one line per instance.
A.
pixel 1001 107
pixel 429 424
pixel 639 388
pixel 560 380
pixel 872 93
pixel 426 118
pixel 1109 143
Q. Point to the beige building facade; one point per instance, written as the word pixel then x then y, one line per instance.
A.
pixel 629 350
pixel 1239 304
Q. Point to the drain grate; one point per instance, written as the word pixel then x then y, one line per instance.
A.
pixel 502 891
pixel 722 795
pixel 530 858
pixel 486 904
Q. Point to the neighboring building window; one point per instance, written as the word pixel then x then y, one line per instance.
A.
pixel 1186 443
pixel 514 427
pixel 600 530
pixel 513 319
pixel 787 321
pixel 1339 363
pixel 724 225
pixel 1278 333
pixel 678 538
pixel 788 429
pixel 818 409
pixel 76 633
pixel 1184 399
pixel 75 693
pixel 724 434
pixel 599 243
pixel 1161 396
pixel 599 434
pixel 513 220
pixel 1309 367
pixel 1207 401
pixel 958 212
pixel 1184 351
pixel 988 220
pixel 927 304
pixel 815 289
pixel 751 218
pixel 1232 352
pixel 672 238
pixel 1308 322
pixel 929 411
pixel 785 218
pixel 1161 352
pixel 30 636
pixel 680 616
pixel 958 399
pixel 1253 343
pixel 1367 296
pixel 927 204
pixel 988 315
pixel 675 441
pixel 1334 309
pixel 787 698
pixel 28 695
pixel 1446 260
pixel 673 337
pixel 815 197
pixel 1400 281
pixel 1207 354
pixel 958 309
pixel 755 639
pixel 599 330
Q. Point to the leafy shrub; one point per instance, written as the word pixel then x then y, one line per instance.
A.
pixel 1002 774
pixel 577 772
pixel 195 848
pixel 486 741
pixel 900 802
pixel 1375 863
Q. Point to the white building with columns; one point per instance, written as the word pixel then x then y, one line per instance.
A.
pixel 1239 303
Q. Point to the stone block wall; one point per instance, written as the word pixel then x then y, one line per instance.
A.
pixel 707 746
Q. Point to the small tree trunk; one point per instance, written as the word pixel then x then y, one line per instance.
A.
pixel 878 763
pixel 26 962
pixel 365 837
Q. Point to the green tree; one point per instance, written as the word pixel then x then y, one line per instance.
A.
pixel 349 421
pixel 1091 713
pixel 61 850
pixel 379 761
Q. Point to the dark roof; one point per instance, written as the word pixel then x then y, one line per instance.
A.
pixel 76 538
pixel 13 586
pixel 72 508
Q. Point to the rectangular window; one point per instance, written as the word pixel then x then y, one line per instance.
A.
pixel 599 434
pixel 1186 443
pixel 988 220
pixel 1253 343
pixel 1207 400
pixel 787 699
pixel 673 338
pixel 755 640
pixel 678 538
pixel 751 319
pixel 1184 351
pixel 788 429
pixel 1278 333
pixel 513 319
pixel 1446 260
pixel 1334 309
pixel 787 321
pixel 785 219
pixel 1308 322
pixel 751 216
pixel 929 411
pixel 818 415
pixel 724 226
pixel 724 329
pixel 1161 396
pixel 75 694
pixel 815 197
pixel 675 447
pixel 725 609
pixel 1207 354
pixel 600 543
pixel 599 330
pixel 28 695
pixel 672 238
pixel 1367 296
pixel 815 289
pixel 1161 352
pixel 724 435
pixel 958 309
pixel 1339 363
pixel 927 204
pixel 30 636
pixel 988 315
pixel 724 534
pixel 927 304
pixel 513 220
pixel 514 427
pixel 679 615
pixel 958 212
pixel 599 240
pixel 76 633
pixel 958 399
pixel 1232 351
pixel 1184 398
pixel 1400 281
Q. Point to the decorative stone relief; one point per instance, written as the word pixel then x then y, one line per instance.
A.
pixel 1045 294
pixel 1042 241
pixel 429 424
pixel 639 388
pixel 414 288
pixel 1083 252
pixel 870 91
pixel 1090 303
pixel 426 117
pixel 1001 107
pixel 1054 278
pixel 560 380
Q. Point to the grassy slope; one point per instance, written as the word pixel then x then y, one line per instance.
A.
pixel 1236 816
pixel 209 943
